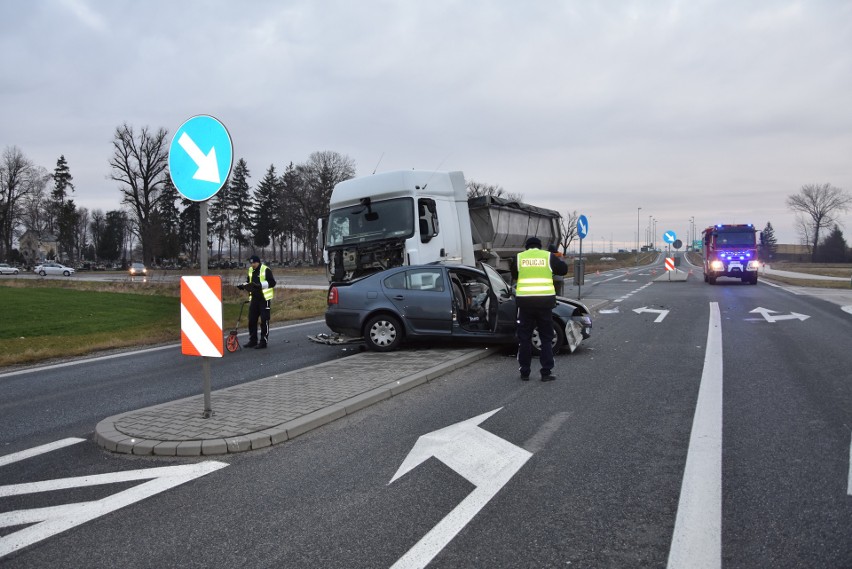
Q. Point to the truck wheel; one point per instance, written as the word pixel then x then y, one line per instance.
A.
pixel 753 279
pixel 711 280
pixel 383 333
pixel 558 339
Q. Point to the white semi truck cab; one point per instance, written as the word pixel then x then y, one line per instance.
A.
pixel 411 217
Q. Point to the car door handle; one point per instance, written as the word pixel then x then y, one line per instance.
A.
pixel 399 297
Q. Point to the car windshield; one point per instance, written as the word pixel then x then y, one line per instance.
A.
pixel 741 239
pixel 382 220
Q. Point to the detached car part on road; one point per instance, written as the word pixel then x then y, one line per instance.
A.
pixel 438 301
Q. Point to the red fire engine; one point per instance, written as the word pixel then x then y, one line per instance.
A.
pixel 730 251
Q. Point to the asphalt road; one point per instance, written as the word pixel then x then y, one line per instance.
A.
pixel 593 469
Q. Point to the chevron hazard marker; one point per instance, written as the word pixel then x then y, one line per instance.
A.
pixel 201 316
pixel 670 264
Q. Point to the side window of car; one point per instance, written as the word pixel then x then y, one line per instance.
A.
pixel 395 281
pixel 426 279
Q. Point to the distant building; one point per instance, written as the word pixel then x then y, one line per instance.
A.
pixel 37 249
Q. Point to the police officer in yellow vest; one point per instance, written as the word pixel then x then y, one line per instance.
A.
pixel 260 284
pixel 535 296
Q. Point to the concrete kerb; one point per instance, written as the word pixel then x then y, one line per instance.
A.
pixel 110 438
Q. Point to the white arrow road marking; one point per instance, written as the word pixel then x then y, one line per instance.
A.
pixel 660 318
pixel 697 537
pixel 35 451
pixel 773 316
pixel 52 520
pixel 483 458
pixel 849 485
pixel 208 169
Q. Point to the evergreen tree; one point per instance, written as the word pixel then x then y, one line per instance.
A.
pixel 285 210
pixel 239 205
pixel 219 218
pixel 190 229
pixel 114 228
pixel 61 181
pixel 768 243
pixel 66 226
pixel 833 249
pixel 60 218
pixel 262 219
pixel 167 217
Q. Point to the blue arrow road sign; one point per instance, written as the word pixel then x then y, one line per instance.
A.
pixel 669 236
pixel 200 157
pixel 582 226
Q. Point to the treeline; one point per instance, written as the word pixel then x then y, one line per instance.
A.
pixel 276 218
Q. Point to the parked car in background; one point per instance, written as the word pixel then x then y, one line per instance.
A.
pixel 6 269
pixel 138 270
pixel 441 302
pixel 51 268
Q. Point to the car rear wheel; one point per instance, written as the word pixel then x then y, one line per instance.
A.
pixel 42 273
pixel 66 273
pixel 383 333
pixel 558 339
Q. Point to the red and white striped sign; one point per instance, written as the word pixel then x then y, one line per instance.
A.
pixel 201 316
pixel 670 263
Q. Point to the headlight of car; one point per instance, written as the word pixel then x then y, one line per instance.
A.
pixel 717 265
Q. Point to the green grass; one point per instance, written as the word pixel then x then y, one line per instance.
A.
pixel 58 319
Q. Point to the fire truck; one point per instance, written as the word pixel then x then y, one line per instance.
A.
pixel 730 251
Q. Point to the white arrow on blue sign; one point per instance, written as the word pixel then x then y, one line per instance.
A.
pixel 200 157
pixel 669 236
pixel 582 227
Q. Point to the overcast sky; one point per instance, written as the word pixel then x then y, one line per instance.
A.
pixel 712 110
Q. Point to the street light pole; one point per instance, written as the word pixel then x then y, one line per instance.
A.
pixel 637 235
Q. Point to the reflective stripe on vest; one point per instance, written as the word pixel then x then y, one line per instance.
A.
pixel 535 278
pixel 268 293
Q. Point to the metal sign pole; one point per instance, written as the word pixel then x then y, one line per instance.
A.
pixel 581 275
pixel 202 259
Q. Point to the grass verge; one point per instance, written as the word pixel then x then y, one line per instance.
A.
pixel 45 320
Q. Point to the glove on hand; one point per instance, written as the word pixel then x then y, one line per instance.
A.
pixel 241 286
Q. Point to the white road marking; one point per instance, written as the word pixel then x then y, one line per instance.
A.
pixel 661 313
pixel 51 520
pixel 483 458
pixel 35 451
pixel 125 354
pixel 697 538
pixel 849 485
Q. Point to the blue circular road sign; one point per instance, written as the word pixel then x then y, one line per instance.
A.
pixel 669 236
pixel 200 157
pixel 582 226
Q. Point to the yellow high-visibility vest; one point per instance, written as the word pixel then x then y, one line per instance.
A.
pixel 535 277
pixel 268 293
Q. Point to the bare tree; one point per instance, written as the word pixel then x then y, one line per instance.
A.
pixel 139 164
pixel 819 206
pixel 476 189
pixel 312 194
pixel 569 230
pixel 19 178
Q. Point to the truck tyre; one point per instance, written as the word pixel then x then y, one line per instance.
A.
pixel 753 279
pixel 383 333
pixel 711 280
pixel 558 339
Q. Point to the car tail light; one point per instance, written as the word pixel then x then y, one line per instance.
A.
pixel 332 295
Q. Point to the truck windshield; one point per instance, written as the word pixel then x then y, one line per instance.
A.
pixel 744 239
pixel 382 220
